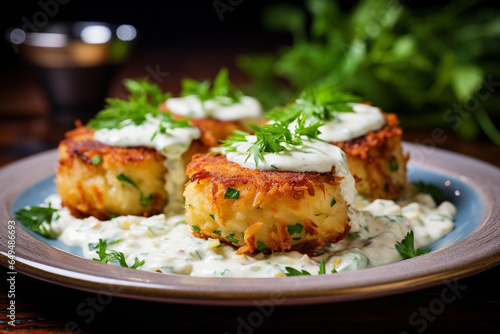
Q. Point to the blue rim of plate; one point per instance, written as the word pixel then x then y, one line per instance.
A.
pixel 467 250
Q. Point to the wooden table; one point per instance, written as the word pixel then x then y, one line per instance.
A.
pixel 42 307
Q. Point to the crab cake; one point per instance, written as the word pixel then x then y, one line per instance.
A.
pixel 377 161
pixel 95 179
pixel 258 210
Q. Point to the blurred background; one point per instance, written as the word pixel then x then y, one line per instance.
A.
pixel 436 65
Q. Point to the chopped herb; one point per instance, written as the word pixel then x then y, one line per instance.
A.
pixel 355 235
pixel 232 193
pixel 274 166
pixel 218 232
pixel 212 215
pixel 294 272
pixel 334 271
pixel 298 238
pixel 318 214
pixel 38 219
pixel 407 247
pixel 96 160
pixel 223 272
pixel 261 246
pixel 295 229
pixel 187 206
pixel 231 238
pixel 196 228
pixel 432 190
pixel 112 215
pixel 198 254
pixel 144 200
pixel 393 165
pixel 333 202
pixel 322 267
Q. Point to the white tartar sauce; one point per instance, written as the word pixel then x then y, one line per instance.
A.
pixel 247 108
pixel 167 245
pixel 172 144
pixel 313 156
pixel 350 125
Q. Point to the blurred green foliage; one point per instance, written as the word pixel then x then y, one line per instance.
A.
pixel 423 64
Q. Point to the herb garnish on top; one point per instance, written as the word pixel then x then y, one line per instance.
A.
pixel 273 138
pixel 221 91
pixel 144 99
pixel 319 103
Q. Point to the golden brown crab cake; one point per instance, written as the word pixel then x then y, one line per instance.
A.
pixel 377 161
pixel 89 184
pixel 259 210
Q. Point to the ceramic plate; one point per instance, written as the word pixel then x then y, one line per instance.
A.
pixel 473 246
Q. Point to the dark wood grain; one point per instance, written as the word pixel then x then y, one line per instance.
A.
pixel 43 307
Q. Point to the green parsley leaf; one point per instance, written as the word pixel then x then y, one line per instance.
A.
pixel 333 202
pixel 232 193
pixel 212 216
pixel 137 263
pixel 294 272
pixel 38 219
pixel 294 229
pixel 196 228
pixel 222 90
pixel 113 255
pixel 144 200
pixel 434 191
pixel 218 232
pixel 261 246
pixel 231 238
pixel 322 267
pixel 407 247
pixel 334 271
pixel 96 160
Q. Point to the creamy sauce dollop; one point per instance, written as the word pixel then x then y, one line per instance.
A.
pixel 350 125
pixel 247 108
pixel 172 144
pixel 168 246
pixel 313 156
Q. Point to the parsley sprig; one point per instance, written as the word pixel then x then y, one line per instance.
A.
pixel 407 247
pixel 319 103
pixel 221 90
pixel 114 255
pixel 144 99
pixel 273 137
pixel 38 219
